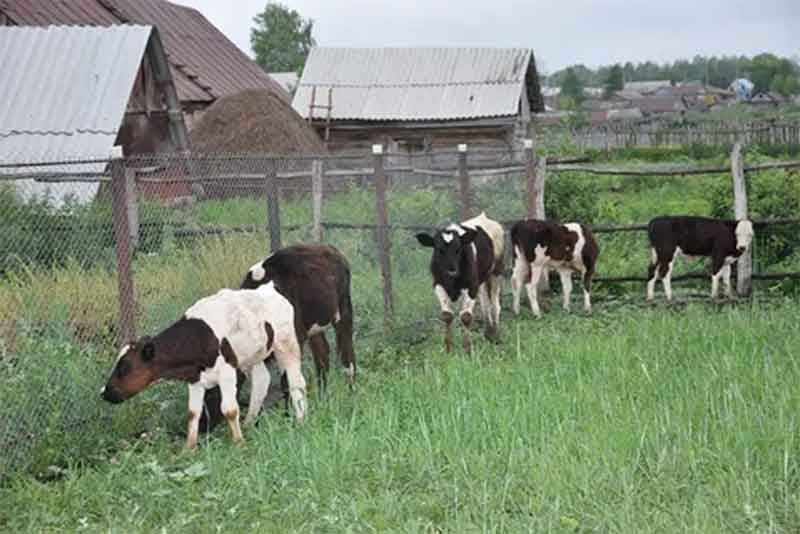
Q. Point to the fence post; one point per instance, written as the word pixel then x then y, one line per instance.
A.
pixel 463 180
pixel 316 199
pixel 538 188
pixel 273 208
pixel 744 276
pixel 383 233
pixel 120 200
pixel 530 177
pixel 132 206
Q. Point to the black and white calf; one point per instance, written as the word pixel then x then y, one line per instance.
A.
pixel 723 240
pixel 230 331
pixel 542 245
pixel 467 263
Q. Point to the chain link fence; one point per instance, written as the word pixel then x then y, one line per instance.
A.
pixel 94 252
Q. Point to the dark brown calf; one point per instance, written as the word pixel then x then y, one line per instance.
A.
pixel 316 280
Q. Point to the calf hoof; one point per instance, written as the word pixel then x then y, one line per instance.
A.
pixel 466 319
pixel 446 317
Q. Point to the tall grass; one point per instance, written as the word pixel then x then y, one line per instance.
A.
pixel 631 421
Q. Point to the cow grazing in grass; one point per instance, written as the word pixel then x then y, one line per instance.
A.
pixel 723 240
pixel 541 245
pixel 467 262
pixel 230 331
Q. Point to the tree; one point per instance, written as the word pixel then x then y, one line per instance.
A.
pixel 281 38
pixel 571 86
pixel 615 80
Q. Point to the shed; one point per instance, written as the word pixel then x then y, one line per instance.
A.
pixel 71 93
pixel 205 64
pixel 416 99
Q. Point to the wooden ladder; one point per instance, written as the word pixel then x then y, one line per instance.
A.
pixel 327 108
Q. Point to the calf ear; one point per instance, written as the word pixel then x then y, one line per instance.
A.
pixel 468 236
pixel 148 352
pixel 425 240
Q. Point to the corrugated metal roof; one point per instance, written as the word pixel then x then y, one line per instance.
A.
pixel 413 83
pixel 205 64
pixel 53 107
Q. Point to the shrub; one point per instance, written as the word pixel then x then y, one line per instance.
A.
pixel 572 197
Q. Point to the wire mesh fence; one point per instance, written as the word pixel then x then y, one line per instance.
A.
pixel 193 225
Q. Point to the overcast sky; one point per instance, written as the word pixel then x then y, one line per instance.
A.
pixel 561 32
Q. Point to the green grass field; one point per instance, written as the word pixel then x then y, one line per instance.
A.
pixel 633 420
pixel 636 419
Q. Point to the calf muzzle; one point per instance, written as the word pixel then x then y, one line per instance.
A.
pixel 111 395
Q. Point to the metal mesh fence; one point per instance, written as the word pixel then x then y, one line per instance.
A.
pixel 193 225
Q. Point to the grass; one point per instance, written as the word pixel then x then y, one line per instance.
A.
pixel 636 420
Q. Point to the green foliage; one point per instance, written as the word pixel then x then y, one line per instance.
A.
pixel 572 86
pixel 615 80
pixel 762 69
pixel 281 39
pixel 770 194
pixel 572 197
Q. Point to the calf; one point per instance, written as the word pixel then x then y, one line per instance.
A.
pixel 467 262
pixel 233 330
pixel 541 245
pixel 723 240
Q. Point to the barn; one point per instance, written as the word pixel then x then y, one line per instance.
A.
pixel 56 108
pixel 205 64
pixel 419 99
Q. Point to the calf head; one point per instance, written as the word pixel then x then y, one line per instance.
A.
pixel 744 236
pixel 256 276
pixel 448 246
pixel 133 372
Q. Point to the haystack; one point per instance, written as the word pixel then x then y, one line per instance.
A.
pixel 257 122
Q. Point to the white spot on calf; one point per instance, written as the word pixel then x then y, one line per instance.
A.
pixel 317 329
pixel 457 229
pixel 123 351
pixel 744 234
pixel 257 272
pixel 447 237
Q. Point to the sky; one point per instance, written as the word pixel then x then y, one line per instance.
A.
pixel 561 32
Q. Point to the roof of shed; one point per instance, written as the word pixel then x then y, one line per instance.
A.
pixel 205 64
pixel 53 107
pixel 378 84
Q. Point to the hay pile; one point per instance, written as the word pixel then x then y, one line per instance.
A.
pixel 255 121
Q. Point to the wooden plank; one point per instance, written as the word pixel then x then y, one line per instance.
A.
pixel 463 183
pixel 744 280
pixel 124 251
pixel 530 177
pixel 382 233
pixel 132 207
pixel 316 200
pixel 273 213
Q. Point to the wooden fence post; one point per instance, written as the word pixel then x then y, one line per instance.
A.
pixel 384 246
pixel 316 199
pixel 132 206
pixel 273 208
pixel 744 278
pixel 463 180
pixel 124 251
pixel 530 177
pixel 538 188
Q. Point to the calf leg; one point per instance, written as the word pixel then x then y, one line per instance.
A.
pixel 726 277
pixel 230 406
pixel 259 386
pixel 344 346
pixel 533 289
pixel 487 314
pixel 566 286
pixel 519 277
pixel 652 274
pixel 665 271
pixel 587 290
pixel 288 357
pixel 467 310
pixel 196 394
pixel 321 351
pixel 497 286
pixel 446 315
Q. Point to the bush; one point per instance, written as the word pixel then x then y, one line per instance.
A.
pixel 770 194
pixel 572 197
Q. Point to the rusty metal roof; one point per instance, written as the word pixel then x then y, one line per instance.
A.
pixel 205 64
pixel 404 84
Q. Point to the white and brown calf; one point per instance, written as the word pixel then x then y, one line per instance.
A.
pixel 467 263
pixel 220 334
pixel 723 240
pixel 542 245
